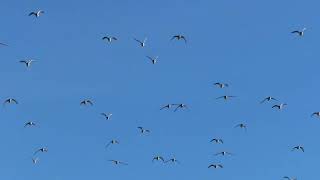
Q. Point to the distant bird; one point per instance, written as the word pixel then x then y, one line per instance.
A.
pixel 299 32
pixel 44 150
pixel 269 98
pixel 316 114
pixel 173 160
pixel 242 126
pixel 10 101
pixel 29 124
pixel 109 38
pixel 142 43
pixel 221 85
pixel 158 158
pixel 118 162
pixel 142 130
pixel 37 13
pixel 3 44
pixel 298 148
pixel 107 116
pixel 153 60
pixel 225 97
pixel 113 141
pixel 279 106
pixel 86 102
pixel 35 160
pixel 223 153
pixel 167 106
pixel 215 166
pixel 27 62
pixel 180 106
pixel 289 178
pixel 179 37
pixel 217 141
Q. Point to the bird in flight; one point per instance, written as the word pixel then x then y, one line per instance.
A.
pixel 35 160
pixel 10 101
pixel 27 62
pixel 279 106
pixel 142 130
pixel 225 97
pixel 107 115
pixel 242 126
pixel 215 166
pixel 221 85
pixel 44 149
pixel 173 160
pixel 86 102
pixel 153 60
pixel 298 148
pixel 36 13
pixel 30 123
pixel 217 141
pixel 180 106
pixel 167 106
pixel 223 153
pixel 113 141
pixel 179 37
pixel 316 114
pixel 109 38
pixel 299 32
pixel 118 162
pixel 158 158
pixel 289 178
pixel 269 98
pixel 142 43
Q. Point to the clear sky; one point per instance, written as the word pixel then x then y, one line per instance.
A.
pixel 245 43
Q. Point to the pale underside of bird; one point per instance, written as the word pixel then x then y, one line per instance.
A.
pixel 118 162
pixel 221 85
pixel 86 102
pixel 35 160
pixel 299 32
pixel 28 62
pixel 316 114
pixel 289 178
pixel 301 148
pixel 113 141
pixel 36 13
pixel 30 123
pixel 269 98
pixel 107 116
pixel 217 141
pixel 143 130
pixel 279 106
pixel 215 166
pixel 10 101
pixel 158 158
pixel 179 37
pixel 226 97
pixel 142 43
pixel 153 60
pixel 44 150
pixel 109 38
pixel 223 153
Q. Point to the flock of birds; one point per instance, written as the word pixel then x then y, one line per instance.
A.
pixel 175 107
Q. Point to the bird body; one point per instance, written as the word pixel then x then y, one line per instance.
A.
pixel 142 43
pixel 27 62
pixel 143 130
pixel 153 60
pixel 269 98
pixel 36 13
pixel 107 115
pixel 299 32
pixel 301 148
pixel 215 166
pixel 217 141
pixel 10 101
pixel 179 37
pixel 279 106
pixel 109 38
pixel 221 85
pixel 44 150
pixel 30 123
pixel 113 141
pixel 158 158
pixel 86 102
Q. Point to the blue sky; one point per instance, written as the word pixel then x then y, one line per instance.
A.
pixel 247 44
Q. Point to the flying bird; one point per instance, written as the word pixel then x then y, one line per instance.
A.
pixel 221 85
pixel 215 166
pixel 225 97
pixel 289 178
pixel 158 158
pixel 109 38
pixel 167 106
pixel 86 102
pixel 35 160
pixel 179 37
pixel 118 162
pixel 223 153
pixel 113 141
pixel 242 126
pixel 37 13
pixel 298 148
pixel 10 101
pixel 173 160
pixel 29 124
pixel 142 43
pixel 180 106
pixel 107 116
pixel 153 60
pixel 142 130
pixel 269 98
pixel 27 62
pixel 316 114
pixel 217 141
pixel 44 150
pixel 279 106
pixel 299 32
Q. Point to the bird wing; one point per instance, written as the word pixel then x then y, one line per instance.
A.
pixel 90 102
pixel 263 100
pixel 3 44
pixel 138 40
pixel 174 37
pixel 114 38
pixel 32 13
pixel 295 32
pixel 220 97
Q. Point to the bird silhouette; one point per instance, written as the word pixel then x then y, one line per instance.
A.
pixel 316 114
pixel 289 178
pixel 116 162
pixel 44 150
pixel 179 37
pixel 180 106
pixel 299 32
pixel 142 43
pixel 27 62
pixel 242 126
pixel 113 141
pixel 153 60
pixel 86 102
pixel 107 115
pixel 142 130
pixel 301 148
pixel 279 106
pixel 10 101
pixel 221 85
pixel 269 98
pixel 217 141
pixel 109 38
pixel 226 97
pixel 36 13
pixel 215 166
pixel 223 153
pixel 30 123
pixel 158 158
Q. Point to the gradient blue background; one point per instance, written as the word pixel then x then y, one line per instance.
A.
pixel 245 43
